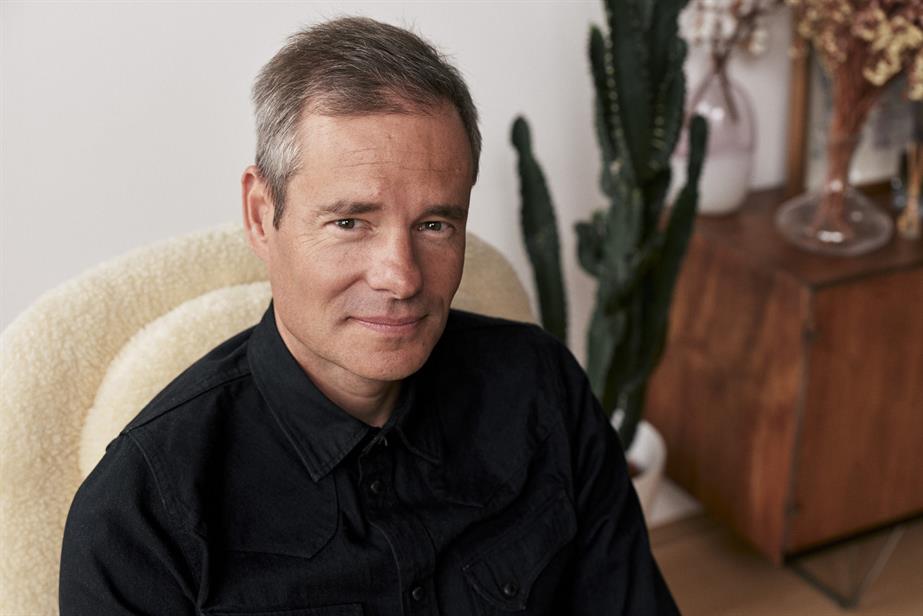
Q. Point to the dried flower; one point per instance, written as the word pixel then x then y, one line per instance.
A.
pixel 863 45
pixel 887 34
pixel 759 42
pixel 724 25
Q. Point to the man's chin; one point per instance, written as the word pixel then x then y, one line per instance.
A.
pixel 392 355
pixel 389 366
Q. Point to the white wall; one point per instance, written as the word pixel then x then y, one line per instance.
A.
pixel 122 123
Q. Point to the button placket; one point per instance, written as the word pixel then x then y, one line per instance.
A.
pixel 411 545
pixel 373 462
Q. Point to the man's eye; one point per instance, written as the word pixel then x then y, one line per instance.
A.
pixel 433 225
pixel 345 223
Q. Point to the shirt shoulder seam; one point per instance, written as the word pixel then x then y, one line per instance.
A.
pixel 169 504
pixel 158 479
pixel 189 394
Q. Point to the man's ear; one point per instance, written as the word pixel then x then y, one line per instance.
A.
pixel 258 211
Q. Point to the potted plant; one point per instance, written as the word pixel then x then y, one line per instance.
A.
pixel 634 247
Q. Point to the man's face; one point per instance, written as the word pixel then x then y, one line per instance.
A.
pixel 370 248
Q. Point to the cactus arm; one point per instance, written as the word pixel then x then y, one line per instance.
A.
pixel 655 194
pixel 668 121
pixel 609 166
pixel 682 218
pixel 590 240
pixel 698 140
pixel 627 67
pixel 605 330
pixel 667 53
pixel 676 241
pixel 669 116
pixel 661 30
pixel 540 231
pixel 609 131
pixel 639 268
pixel 621 359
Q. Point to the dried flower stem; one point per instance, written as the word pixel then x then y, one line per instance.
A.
pixel 853 98
pixel 746 21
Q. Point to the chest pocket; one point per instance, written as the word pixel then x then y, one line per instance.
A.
pixel 504 572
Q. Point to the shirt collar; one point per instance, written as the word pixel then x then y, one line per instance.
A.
pixel 421 429
pixel 322 433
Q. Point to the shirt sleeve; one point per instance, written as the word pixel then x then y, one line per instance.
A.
pixel 120 554
pixel 614 572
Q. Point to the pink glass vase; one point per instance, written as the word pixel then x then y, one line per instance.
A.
pixel 726 174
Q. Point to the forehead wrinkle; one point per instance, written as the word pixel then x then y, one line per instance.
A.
pixel 314 127
pixel 361 150
pixel 399 165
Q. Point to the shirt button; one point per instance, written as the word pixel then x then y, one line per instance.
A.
pixel 376 487
pixel 417 593
pixel 510 589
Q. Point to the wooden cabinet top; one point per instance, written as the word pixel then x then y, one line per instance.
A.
pixel 751 232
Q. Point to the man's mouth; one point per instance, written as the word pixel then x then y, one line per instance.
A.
pixel 390 325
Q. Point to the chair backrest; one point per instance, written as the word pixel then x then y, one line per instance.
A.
pixel 88 355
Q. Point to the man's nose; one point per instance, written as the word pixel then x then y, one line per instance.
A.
pixel 394 267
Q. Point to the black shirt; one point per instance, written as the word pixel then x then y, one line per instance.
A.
pixel 496 486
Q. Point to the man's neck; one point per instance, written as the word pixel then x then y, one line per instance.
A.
pixel 368 400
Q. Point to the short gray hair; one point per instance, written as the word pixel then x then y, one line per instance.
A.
pixel 349 66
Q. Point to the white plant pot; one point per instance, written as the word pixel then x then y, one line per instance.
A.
pixel 648 453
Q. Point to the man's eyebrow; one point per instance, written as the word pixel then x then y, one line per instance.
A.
pixel 347 209
pixel 452 212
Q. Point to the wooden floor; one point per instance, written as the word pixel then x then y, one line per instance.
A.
pixel 711 573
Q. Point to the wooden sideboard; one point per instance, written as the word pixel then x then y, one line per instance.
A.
pixel 790 394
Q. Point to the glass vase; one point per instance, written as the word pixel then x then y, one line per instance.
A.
pixel 725 177
pixel 838 219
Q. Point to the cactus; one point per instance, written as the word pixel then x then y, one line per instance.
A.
pixel 634 248
pixel 540 229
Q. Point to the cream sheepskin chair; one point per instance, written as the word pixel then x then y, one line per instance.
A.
pixel 88 355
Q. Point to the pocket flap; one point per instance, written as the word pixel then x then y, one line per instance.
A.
pixel 504 572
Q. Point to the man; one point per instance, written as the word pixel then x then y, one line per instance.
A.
pixel 363 449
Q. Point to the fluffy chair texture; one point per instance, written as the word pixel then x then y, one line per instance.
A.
pixel 87 356
pixel 151 359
